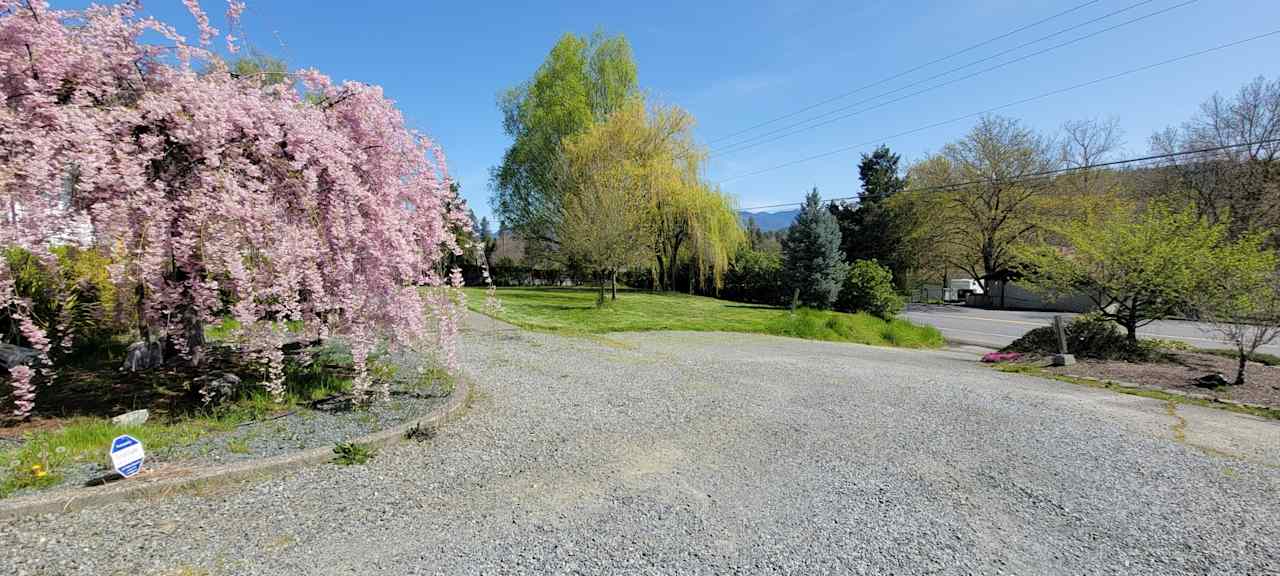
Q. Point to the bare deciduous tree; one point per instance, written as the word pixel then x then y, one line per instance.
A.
pixel 1084 145
pixel 1240 182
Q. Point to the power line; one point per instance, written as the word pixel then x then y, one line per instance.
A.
pixel 1054 172
pixel 908 71
pixel 785 131
pixel 1007 105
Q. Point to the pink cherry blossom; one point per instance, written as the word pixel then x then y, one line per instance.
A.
pixel 309 201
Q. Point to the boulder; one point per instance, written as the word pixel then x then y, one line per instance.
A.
pixel 143 355
pixel 11 355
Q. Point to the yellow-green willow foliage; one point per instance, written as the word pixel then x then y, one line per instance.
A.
pixel 690 222
pixel 715 235
pixel 634 196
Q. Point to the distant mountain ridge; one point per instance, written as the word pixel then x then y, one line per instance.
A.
pixel 770 221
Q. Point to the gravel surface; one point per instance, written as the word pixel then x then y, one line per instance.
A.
pixel 666 453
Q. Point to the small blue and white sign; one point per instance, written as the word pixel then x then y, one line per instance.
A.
pixel 126 455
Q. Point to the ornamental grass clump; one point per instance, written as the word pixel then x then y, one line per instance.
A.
pixel 217 193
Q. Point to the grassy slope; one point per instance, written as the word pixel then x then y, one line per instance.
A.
pixel 574 311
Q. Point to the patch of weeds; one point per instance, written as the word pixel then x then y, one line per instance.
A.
pixel 188 571
pixel 431 378
pixel 39 460
pixel 476 396
pixel 420 434
pixel 36 476
pixel 238 446
pixel 1179 424
pixel 281 542
pixel 351 453
pixel 255 404
pixel 380 369
pixel 612 342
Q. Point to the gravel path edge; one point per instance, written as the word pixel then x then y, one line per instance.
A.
pixel 79 498
pixel 1216 402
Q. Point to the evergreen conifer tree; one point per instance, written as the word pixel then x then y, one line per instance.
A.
pixel 814 265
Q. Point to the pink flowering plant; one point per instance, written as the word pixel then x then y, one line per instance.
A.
pixel 217 194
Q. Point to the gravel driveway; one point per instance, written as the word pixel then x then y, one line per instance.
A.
pixel 668 453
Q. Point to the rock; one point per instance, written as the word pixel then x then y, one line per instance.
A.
pixel 1064 359
pixel 1212 380
pixel 143 355
pixel 11 355
pixel 216 387
pixel 131 418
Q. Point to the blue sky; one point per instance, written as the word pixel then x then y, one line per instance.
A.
pixel 736 64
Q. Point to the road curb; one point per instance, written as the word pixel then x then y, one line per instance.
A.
pixel 80 498
pixel 958 342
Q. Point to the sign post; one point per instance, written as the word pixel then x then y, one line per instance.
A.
pixel 126 455
pixel 1062 358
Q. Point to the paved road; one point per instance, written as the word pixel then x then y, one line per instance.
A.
pixel 681 453
pixel 996 328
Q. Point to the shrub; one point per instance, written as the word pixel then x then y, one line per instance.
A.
pixel 1088 336
pixel 868 287
pixel 754 276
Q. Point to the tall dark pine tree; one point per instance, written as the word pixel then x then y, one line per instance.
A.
pixel 812 261
pixel 879 175
pixel 867 227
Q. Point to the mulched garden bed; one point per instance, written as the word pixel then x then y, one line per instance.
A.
pixel 1179 371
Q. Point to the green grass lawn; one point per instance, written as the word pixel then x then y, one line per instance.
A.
pixel 571 310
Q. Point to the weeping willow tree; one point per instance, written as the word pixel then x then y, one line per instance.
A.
pixel 691 224
pixel 715 235
pixel 633 181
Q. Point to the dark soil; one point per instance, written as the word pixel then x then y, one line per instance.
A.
pixel 1179 370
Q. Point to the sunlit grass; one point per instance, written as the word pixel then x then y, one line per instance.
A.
pixel 569 310
pixel 43 455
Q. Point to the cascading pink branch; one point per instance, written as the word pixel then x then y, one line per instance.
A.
pixel 302 201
